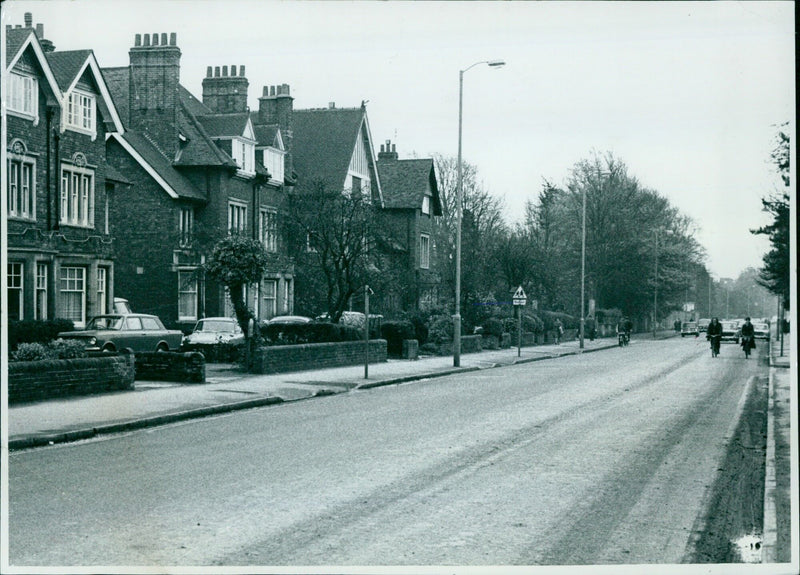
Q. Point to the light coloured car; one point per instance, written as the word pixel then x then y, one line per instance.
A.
pixel 689 328
pixel 761 330
pixel 211 330
pixel 730 331
pixel 137 331
pixel 702 324
pixel 288 320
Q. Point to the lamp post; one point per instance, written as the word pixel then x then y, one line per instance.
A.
pixel 655 290
pixel 583 265
pixel 459 201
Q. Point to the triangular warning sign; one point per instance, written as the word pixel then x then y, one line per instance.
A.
pixel 519 294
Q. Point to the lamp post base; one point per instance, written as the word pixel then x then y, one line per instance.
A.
pixel 457 340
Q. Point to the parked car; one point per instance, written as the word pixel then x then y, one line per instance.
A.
pixel 113 332
pixel 213 330
pixel 761 330
pixel 689 328
pixel 702 324
pixel 730 331
pixel 356 319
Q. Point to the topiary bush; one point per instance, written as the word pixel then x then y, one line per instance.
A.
pixel 394 332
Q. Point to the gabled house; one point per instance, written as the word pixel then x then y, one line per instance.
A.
pixel 196 178
pixel 57 181
pixel 411 202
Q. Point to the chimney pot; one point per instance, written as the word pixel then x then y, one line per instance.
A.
pixel 138 40
pixel 265 91
pixel 272 90
pixel 241 70
pixel 173 39
pixel 163 38
pixel 28 19
pixel 146 39
pixel 208 72
pixel 40 31
pixel 155 38
pixel 331 105
pixel 394 148
pixel 216 71
pixel 382 150
pixel 233 70
pixel 225 71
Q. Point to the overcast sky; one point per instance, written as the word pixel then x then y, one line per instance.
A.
pixel 688 95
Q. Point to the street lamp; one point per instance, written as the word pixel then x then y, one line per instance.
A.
pixel 582 330
pixel 459 201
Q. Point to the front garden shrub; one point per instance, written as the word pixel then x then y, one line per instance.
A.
pixel 440 329
pixel 493 326
pixel 30 352
pixel 394 332
pixel 39 331
pixel 56 349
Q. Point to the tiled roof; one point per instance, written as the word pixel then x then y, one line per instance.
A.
pixel 162 165
pixel 118 82
pixel 199 149
pixel 404 183
pixel 265 135
pixel 224 125
pixel 67 65
pixel 322 145
pixel 115 175
pixel 192 104
pixel 15 38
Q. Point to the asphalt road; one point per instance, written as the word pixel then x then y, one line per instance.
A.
pixel 608 457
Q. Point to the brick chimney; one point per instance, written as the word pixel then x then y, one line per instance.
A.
pixel 46 45
pixel 388 151
pixel 275 107
pixel 223 93
pixel 155 71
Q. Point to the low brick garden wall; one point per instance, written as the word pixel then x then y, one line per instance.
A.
pixel 171 366
pixel 283 358
pixel 51 379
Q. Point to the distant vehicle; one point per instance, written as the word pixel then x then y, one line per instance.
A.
pixel 702 324
pixel 113 332
pixel 288 320
pixel 212 330
pixel 121 305
pixel 689 328
pixel 730 331
pixel 761 330
pixel 355 319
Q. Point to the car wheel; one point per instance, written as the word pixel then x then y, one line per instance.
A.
pixel 109 348
pixel 162 347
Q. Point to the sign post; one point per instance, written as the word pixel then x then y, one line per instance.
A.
pixel 367 293
pixel 519 300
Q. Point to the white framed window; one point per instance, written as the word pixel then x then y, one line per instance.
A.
pixel 187 295
pixel 424 251
pixel 21 188
pixel 23 95
pixel 426 204
pixel 72 293
pixel 80 112
pixel 77 196
pixel 186 226
pixel 237 217
pixel 102 290
pixel 14 291
pixel 270 298
pixel 40 301
pixel 244 154
pixel 268 229
pixel 274 162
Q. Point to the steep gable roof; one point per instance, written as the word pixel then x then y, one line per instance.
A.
pixel 118 81
pixel 69 66
pixel 226 125
pixel 20 39
pixel 404 183
pixel 269 135
pixel 322 144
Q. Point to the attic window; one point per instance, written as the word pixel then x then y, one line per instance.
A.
pixel 80 111
pixel 426 204
pixel 244 154
pixel 23 95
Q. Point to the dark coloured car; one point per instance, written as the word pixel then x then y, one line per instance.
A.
pixel 113 332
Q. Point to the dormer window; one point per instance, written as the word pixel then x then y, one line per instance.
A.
pixel 244 154
pixel 23 95
pixel 273 162
pixel 80 112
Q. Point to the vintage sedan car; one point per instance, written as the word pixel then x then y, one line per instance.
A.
pixel 289 320
pixel 689 328
pixel 761 330
pixel 212 330
pixel 702 324
pixel 730 331
pixel 113 332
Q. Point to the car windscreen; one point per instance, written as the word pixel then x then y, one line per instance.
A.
pixel 215 325
pixel 106 322
pixel 760 327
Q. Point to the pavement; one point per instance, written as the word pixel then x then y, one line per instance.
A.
pixel 227 388
pixel 776 542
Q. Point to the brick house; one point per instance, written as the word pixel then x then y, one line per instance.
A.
pixel 331 150
pixel 411 202
pixel 57 182
pixel 199 173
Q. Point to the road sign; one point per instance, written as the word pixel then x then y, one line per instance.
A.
pixel 519 297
